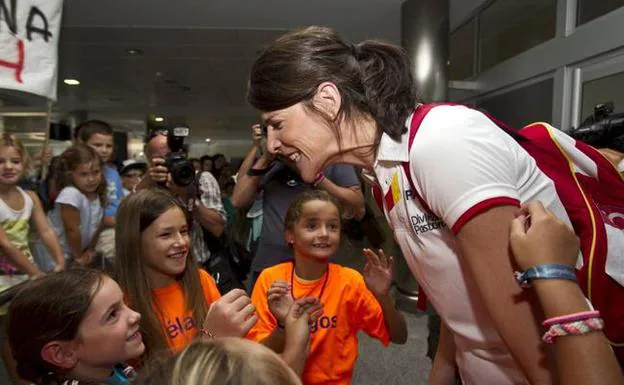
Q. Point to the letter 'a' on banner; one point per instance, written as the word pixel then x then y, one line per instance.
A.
pixel 29 35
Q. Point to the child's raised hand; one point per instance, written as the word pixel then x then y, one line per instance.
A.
pixel 378 272
pixel 232 315
pixel 280 300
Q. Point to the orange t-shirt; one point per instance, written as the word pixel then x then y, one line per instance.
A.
pixel 348 307
pixel 177 320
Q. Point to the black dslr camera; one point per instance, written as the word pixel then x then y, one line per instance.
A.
pixel 603 129
pixel 181 170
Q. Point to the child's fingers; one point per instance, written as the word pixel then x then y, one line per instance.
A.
pixel 367 268
pixel 275 297
pixel 316 313
pixel 278 290
pixel 372 257
pixel 536 209
pixel 383 259
pixel 248 324
pixel 518 227
pixel 280 284
pixel 247 311
pixel 233 295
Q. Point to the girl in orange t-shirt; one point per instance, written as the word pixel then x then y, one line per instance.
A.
pixel 161 279
pixel 351 302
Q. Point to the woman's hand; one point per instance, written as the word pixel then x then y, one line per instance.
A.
pixel 538 237
pixel 378 272
pixel 232 315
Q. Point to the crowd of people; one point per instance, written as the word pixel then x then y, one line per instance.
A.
pixel 133 278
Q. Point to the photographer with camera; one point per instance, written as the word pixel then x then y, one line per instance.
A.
pixel 169 169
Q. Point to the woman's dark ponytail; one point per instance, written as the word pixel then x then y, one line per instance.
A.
pixel 389 85
pixel 373 77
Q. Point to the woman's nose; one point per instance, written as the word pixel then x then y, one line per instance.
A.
pixel 273 142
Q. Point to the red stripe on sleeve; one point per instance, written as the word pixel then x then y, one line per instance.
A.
pixel 481 207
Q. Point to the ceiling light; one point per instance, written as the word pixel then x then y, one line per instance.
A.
pixel 207 140
pixel 134 51
pixel 72 82
pixel 159 119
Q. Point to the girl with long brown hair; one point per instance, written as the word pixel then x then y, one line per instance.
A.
pixel 162 281
pixel 72 327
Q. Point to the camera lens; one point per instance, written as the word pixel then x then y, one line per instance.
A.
pixel 183 173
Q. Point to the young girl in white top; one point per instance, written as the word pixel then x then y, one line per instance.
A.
pixel 17 209
pixel 77 211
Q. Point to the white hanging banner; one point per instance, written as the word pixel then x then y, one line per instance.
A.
pixel 29 35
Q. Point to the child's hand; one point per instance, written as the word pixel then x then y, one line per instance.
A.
pixel 86 258
pixel 232 315
pixel 378 272
pixel 58 268
pixel 280 300
pixel 538 237
pixel 301 314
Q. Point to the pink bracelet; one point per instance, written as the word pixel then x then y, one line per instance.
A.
pixel 573 328
pixel 571 318
pixel 319 178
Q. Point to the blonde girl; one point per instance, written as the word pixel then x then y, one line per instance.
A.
pixel 226 361
pixel 18 208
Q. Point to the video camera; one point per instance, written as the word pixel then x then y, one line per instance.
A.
pixel 603 129
pixel 181 170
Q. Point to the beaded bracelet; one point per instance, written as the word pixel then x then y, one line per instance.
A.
pixel 573 328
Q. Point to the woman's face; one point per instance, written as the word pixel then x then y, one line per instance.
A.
pixel 109 333
pixel 302 137
pixel 165 245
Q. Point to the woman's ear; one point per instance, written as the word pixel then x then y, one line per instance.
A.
pixel 60 354
pixel 327 99
pixel 290 239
